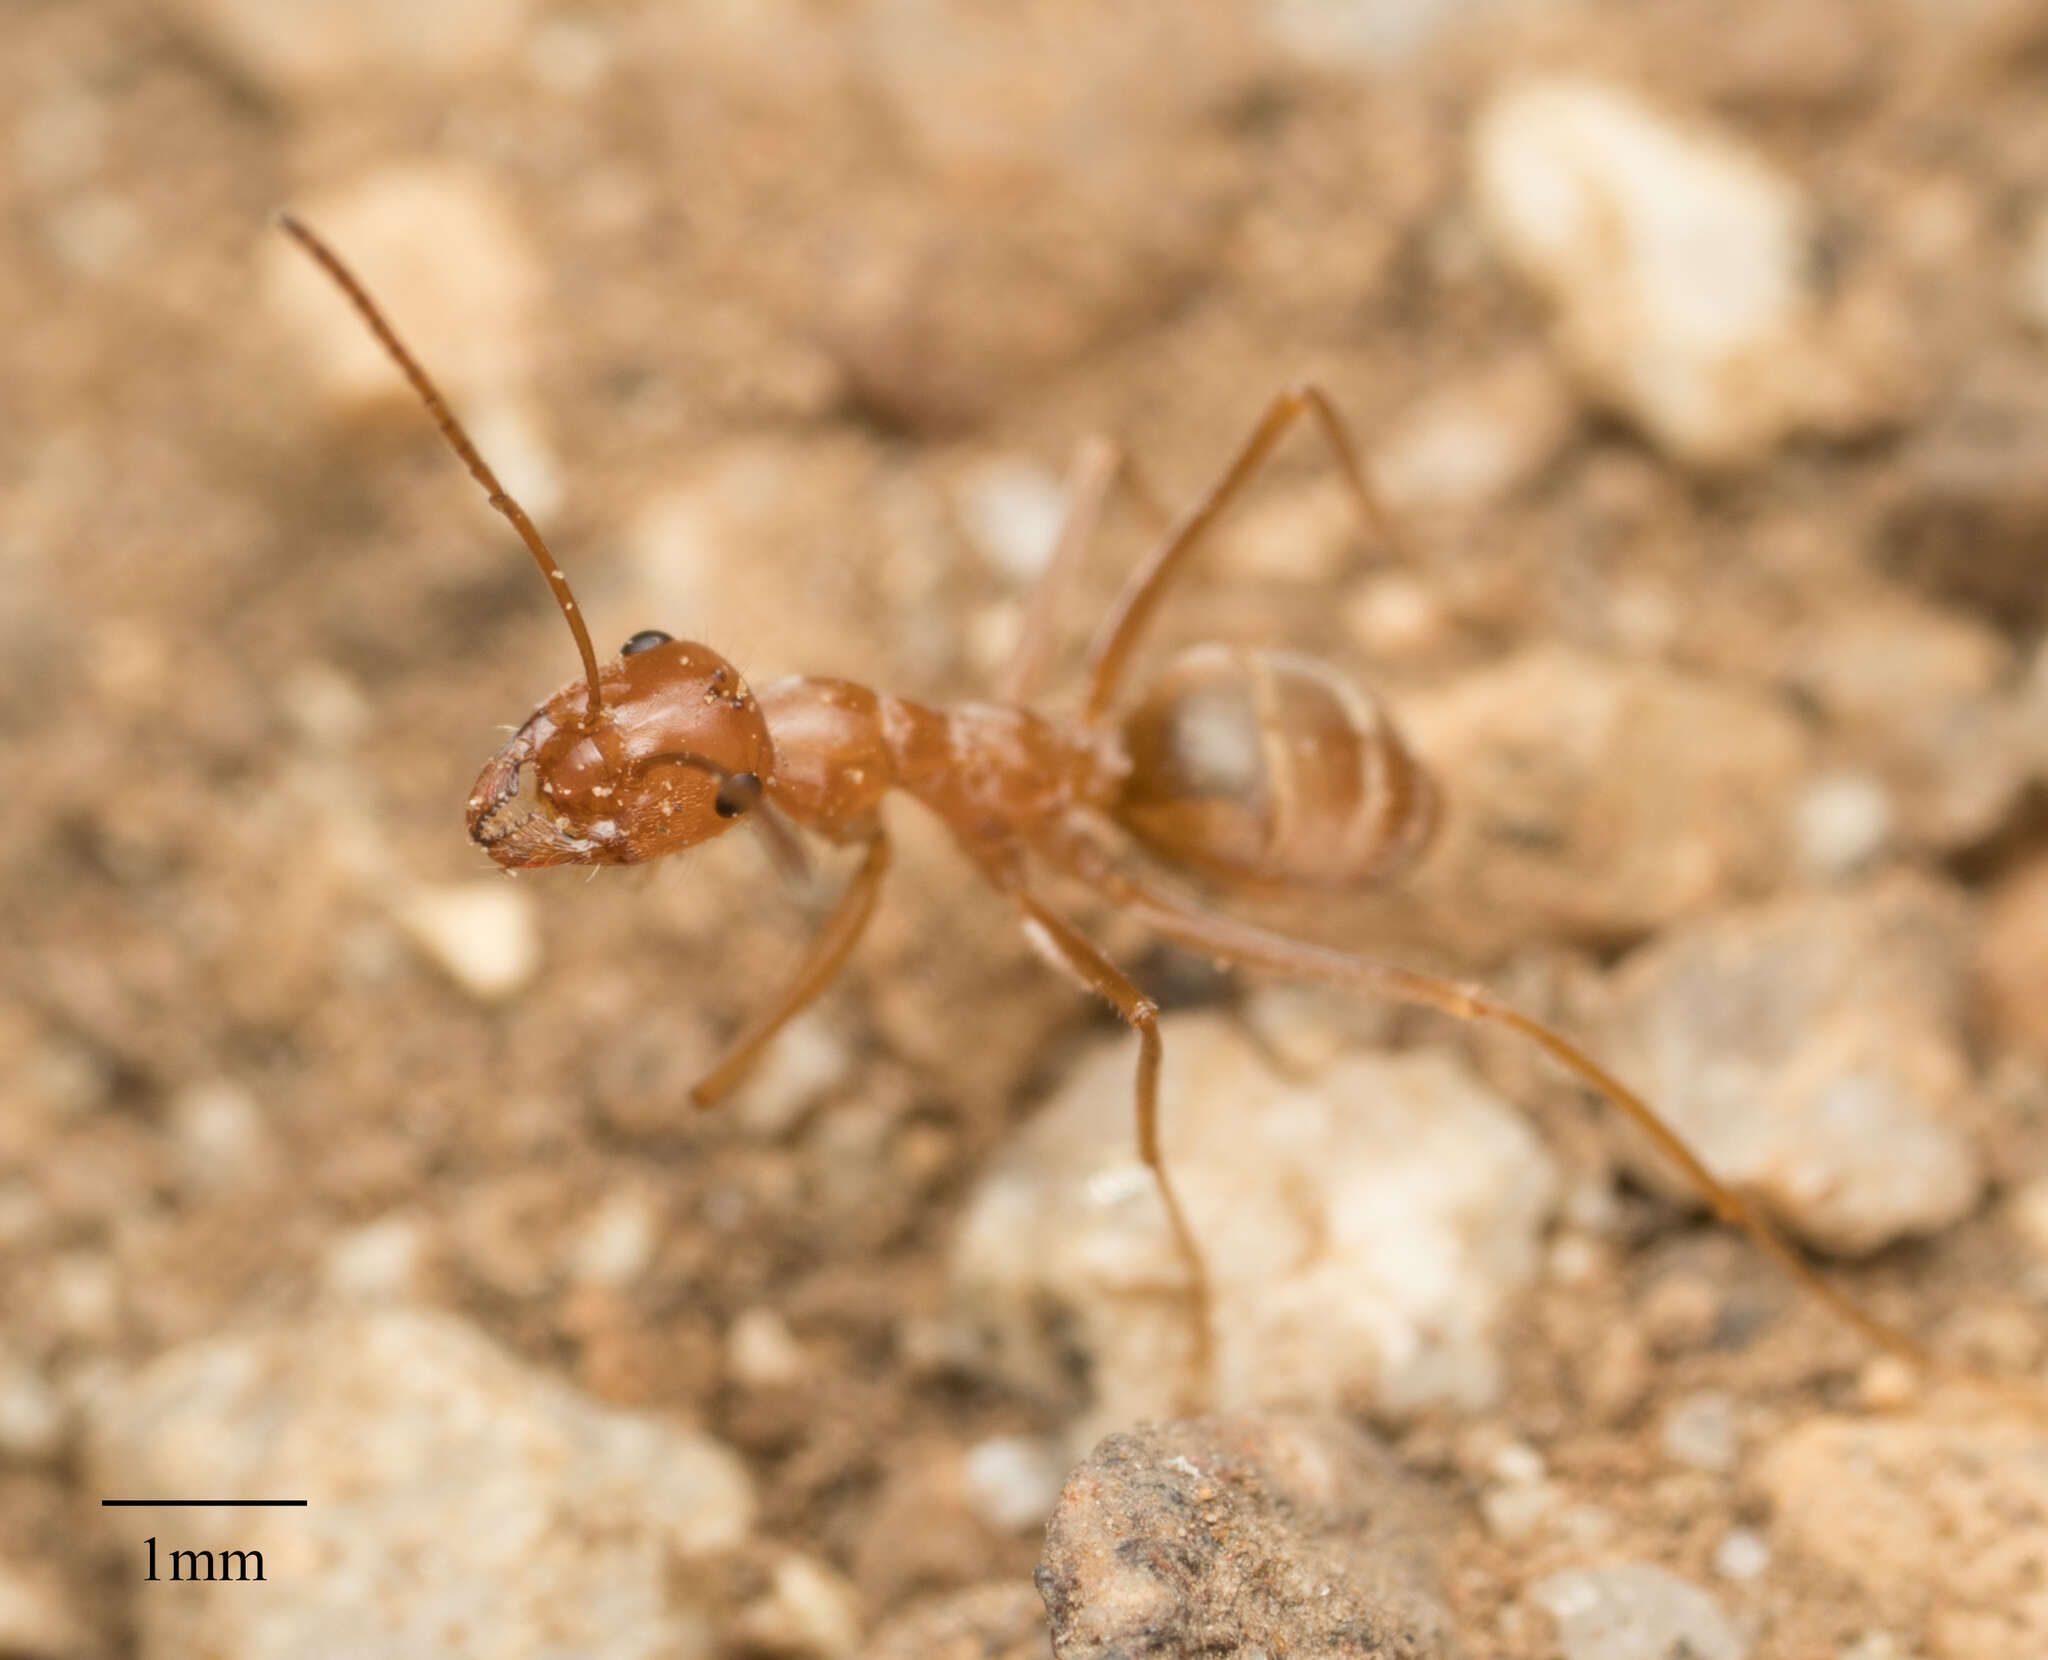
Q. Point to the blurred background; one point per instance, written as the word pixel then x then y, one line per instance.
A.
pixel 1701 349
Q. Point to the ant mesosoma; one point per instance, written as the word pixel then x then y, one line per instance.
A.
pixel 1241 765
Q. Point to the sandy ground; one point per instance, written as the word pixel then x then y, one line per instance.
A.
pixel 752 306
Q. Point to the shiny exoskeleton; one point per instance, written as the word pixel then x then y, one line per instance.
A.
pixel 1252 768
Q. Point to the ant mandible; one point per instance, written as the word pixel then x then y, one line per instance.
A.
pixel 1240 765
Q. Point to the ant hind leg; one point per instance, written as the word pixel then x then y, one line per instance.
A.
pixel 1220 938
pixel 1109 654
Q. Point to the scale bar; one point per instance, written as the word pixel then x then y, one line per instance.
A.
pixel 203 1504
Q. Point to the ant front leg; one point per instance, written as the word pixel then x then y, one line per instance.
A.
pixel 1069 951
pixel 821 964
pixel 1109 655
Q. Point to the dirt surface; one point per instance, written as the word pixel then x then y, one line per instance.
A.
pixel 753 302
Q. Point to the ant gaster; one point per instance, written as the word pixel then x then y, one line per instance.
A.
pixel 1245 766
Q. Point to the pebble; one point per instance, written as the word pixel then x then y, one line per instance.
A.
pixel 462 1503
pixel 616 1244
pixel 1598 799
pixel 1512 1514
pixel 1365 1229
pixel 2030 275
pixel 1000 1620
pixel 1012 1481
pixel 221 1138
pixel 1918 698
pixel 32 1424
pixel 2026 1214
pixel 481 934
pixel 1478 439
pixel 1246 1534
pixel 378 1262
pixel 1969 505
pixel 1843 821
pixel 36 1623
pixel 761 1352
pixel 448 260
pixel 807 1061
pixel 1743 1554
pixel 2012 955
pixel 1376 34
pixel 1942 1525
pixel 1633 1611
pixel 1813 1053
pixel 1012 511
pixel 1700 1431
pixel 808 1610
pixel 317 46
pixel 1302 537
pixel 1676 260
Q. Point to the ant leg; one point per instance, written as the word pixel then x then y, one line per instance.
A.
pixel 1225 939
pixel 1109 654
pixel 1089 481
pixel 1068 950
pixel 1098 463
pixel 826 957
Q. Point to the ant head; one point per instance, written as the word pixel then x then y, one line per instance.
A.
pixel 655 752
pixel 678 752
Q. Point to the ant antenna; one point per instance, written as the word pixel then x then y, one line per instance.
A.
pixel 451 429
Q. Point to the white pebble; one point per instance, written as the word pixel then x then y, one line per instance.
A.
pixel 1700 1432
pixel 1012 511
pixel 810 1613
pixel 1512 1514
pixel 314 45
pixel 2026 1212
pixel 505 429
pixel 481 934
pixel 1842 820
pixel 2031 279
pixel 1742 1554
pixel 1474 441
pixel 31 1420
pixel 35 1621
pixel 1633 1611
pixel 617 1242
pixel 808 1058
pixel 1365 1227
pixel 1519 1465
pixel 1376 34
pixel 83 1291
pixel 327 709
pixel 761 1351
pixel 1392 614
pixel 222 1139
pixel 444 255
pixel 1675 258
pixel 1013 1481
pixel 376 1262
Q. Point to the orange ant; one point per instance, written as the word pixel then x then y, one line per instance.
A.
pixel 1243 766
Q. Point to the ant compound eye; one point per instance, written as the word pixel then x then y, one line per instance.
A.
pixel 646 640
pixel 739 792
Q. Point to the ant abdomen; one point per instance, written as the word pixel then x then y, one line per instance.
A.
pixel 1270 766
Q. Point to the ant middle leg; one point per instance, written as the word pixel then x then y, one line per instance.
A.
pixel 1109 654
pixel 1068 950
pixel 821 964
